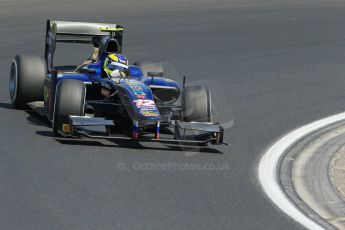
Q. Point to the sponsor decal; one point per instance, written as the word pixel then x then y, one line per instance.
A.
pixel 149 114
pixel 137 91
pixel 45 93
pixel 147 107
pixel 145 104
pixel 136 87
pixel 66 128
pixel 140 95
pixel 110 28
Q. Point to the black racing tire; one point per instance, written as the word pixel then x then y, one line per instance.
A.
pixel 69 100
pixel 196 104
pixel 26 80
pixel 150 67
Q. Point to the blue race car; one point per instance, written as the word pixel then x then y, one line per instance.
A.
pixel 144 106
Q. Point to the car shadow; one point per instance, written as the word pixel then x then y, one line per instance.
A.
pixel 5 105
pixel 33 118
pixel 135 145
pixel 37 120
pixel 130 144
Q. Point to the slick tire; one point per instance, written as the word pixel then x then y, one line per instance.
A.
pixel 26 80
pixel 196 104
pixel 69 100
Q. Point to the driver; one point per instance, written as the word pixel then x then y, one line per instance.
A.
pixel 116 66
pixel 93 58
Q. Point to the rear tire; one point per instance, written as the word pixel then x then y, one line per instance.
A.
pixel 69 100
pixel 26 80
pixel 196 104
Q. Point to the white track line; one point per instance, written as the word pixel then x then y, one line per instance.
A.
pixel 268 171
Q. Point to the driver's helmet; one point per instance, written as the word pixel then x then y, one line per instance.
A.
pixel 116 65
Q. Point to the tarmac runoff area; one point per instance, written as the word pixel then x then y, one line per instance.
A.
pixel 312 174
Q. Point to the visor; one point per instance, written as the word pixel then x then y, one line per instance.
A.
pixel 115 65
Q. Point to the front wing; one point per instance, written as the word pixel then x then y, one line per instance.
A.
pixel 74 126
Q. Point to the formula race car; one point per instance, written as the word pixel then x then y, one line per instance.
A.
pixel 144 106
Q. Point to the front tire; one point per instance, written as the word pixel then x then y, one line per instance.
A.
pixel 196 104
pixel 69 100
pixel 26 80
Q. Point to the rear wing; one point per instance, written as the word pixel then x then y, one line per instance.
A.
pixel 77 32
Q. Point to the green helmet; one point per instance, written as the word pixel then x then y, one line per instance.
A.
pixel 116 65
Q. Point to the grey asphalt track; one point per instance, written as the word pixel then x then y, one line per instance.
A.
pixel 280 64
